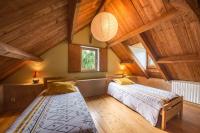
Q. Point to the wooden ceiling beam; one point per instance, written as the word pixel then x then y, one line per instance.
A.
pixel 134 59
pixel 11 69
pixel 12 52
pixel 101 7
pixel 105 2
pixel 102 4
pixel 127 61
pixel 73 6
pixel 179 59
pixel 171 14
pixel 88 23
pixel 147 43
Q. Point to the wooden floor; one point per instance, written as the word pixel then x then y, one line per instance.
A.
pixel 111 116
pixel 6 120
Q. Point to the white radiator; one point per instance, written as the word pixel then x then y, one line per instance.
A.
pixel 189 90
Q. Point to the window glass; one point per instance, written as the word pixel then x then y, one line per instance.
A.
pixel 151 64
pixel 140 53
pixel 89 59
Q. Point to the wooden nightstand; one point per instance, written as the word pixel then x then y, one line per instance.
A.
pixel 16 97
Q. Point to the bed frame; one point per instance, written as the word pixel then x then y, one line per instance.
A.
pixel 171 109
pixel 168 111
pixel 46 80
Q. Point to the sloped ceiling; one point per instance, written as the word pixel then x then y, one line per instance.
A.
pixel 35 26
pixel 178 36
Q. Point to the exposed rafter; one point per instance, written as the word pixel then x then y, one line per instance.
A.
pixel 134 59
pixel 179 59
pixel 127 61
pixel 11 70
pixel 105 2
pixel 97 11
pixel 100 9
pixel 12 52
pixel 171 14
pixel 73 6
pixel 147 43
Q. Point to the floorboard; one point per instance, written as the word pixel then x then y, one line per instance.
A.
pixel 6 120
pixel 111 116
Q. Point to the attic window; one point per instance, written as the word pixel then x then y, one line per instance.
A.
pixel 89 59
pixel 150 63
pixel 142 56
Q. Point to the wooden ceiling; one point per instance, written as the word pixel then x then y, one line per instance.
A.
pixel 36 26
pixel 168 29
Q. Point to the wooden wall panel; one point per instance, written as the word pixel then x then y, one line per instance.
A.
pixel 103 57
pixel 74 58
pixel 1 98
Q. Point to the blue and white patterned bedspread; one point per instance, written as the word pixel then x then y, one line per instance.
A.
pixel 66 113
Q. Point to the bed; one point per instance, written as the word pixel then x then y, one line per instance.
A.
pixel 55 114
pixel 147 101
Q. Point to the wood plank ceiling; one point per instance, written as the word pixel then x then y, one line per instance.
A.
pixel 36 26
pixel 167 28
pixel 177 36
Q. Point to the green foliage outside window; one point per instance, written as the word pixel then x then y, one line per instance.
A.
pixel 88 59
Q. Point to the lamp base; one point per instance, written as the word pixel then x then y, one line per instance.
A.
pixel 36 81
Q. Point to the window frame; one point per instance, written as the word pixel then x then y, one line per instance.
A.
pixel 148 62
pixel 96 50
pixel 147 66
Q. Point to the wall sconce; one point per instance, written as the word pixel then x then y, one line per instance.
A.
pixel 122 67
pixel 35 78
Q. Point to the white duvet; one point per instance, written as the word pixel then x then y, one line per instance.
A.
pixel 145 100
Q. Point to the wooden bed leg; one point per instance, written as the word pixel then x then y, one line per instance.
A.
pixel 163 124
pixel 181 111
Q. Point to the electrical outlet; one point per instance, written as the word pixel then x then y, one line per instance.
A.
pixel 12 99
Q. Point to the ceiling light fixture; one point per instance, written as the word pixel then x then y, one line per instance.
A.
pixel 104 26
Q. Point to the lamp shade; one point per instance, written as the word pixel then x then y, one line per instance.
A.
pixel 104 26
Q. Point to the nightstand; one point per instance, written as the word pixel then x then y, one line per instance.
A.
pixel 16 97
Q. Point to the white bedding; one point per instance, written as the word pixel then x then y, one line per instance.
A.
pixel 145 100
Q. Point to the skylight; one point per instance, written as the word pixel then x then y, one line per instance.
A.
pixel 141 54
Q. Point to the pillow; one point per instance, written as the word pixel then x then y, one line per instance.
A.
pixel 60 88
pixel 123 81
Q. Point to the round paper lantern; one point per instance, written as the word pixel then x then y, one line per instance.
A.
pixel 104 26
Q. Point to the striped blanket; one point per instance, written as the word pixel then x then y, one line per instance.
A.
pixel 145 100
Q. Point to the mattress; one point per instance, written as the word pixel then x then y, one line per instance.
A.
pixel 145 100
pixel 55 114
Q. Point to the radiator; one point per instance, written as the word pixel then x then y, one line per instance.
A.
pixel 189 90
